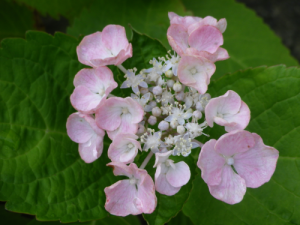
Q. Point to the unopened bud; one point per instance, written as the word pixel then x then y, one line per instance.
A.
pixel 156 111
pixel 152 104
pixel 177 87
pixel 199 106
pixel 174 124
pixel 170 83
pixel 189 110
pixel 141 129
pixel 144 90
pixel 169 73
pixel 157 90
pixel 163 125
pixel 180 129
pixel 152 120
pixel 197 114
pixel 179 96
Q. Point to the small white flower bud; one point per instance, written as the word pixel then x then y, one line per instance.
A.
pixel 177 87
pixel 199 106
pixel 141 129
pixel 180 129
pixel 144 90
pixel 169 73
pixel 174 124
pixel 152 120
pixel 189 110
pixel 152 104
pixel 163 125
pixel 170 83
pixel 151 96
pixel 157 90
pixel 179 96
pixel 156 111
pixel 197 114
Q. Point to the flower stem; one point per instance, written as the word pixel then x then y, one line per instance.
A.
pixel 122 68
pixel 146 160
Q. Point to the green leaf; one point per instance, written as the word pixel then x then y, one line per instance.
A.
pixel 55 8
pixel 249 42
pixel 128 220
pixel 15 20
pixel 149 17
pixel 272 95
pixel 41 172
pixel 180 219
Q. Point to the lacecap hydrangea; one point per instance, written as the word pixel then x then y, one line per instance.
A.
pixel 171 94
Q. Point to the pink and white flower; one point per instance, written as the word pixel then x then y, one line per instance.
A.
pixel 253 161
pixel 197 36
pixel 134 196
pixel 124 148
pixel 119 115
pixel 228 110
pixel 82 129
pixel 109 47
pixel 195 71
pixel 91 87
pixel 170 176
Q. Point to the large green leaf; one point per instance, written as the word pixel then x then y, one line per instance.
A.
pixel 149 17
pixel 249 41
pixel 12 218
pixel 272 95
pixel 56 8
pixel 15 20
pixel 41 172
pixel 180 219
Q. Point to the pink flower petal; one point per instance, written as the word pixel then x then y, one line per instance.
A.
pixel 206 38
pixel 78 129
pixel 222 25
pixel 185 21
pixel 178 38
pixel 106 48
pixel 161 157
pixel 240 120
pixel 220 54
pixel 133 196
pixel 195 72
pixel 161 183
pixel 211 163
pixel 235 142
pixel 121 198
pixel 179 175
pixel 258 164
pixel 204 22
pixel 231 189
pixel 92 150
pixel 119 151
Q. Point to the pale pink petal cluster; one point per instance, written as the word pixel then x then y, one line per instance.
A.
pixel 229 111
pixel 124 148
pixel 253 161
pixel 109 47
pixel 92 86
pixel 82 129
pixel 197 36
pixel 134 196
pixel 119 115
pixel 170 176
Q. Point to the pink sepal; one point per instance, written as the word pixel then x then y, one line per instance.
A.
pixel 82 129
pixel 91 87
pixel 195 71
pixel 228 110
pixel 133 196
pixel 124 148
pixel 105 48
pixel 119 114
